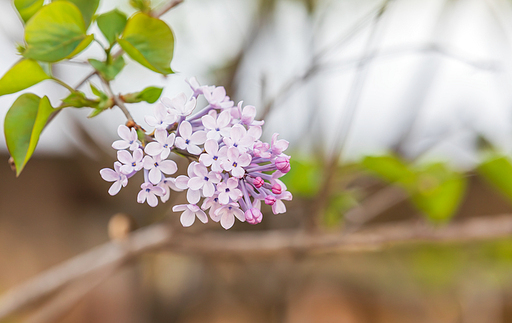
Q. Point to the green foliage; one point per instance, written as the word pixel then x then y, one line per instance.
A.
pixel 112 24
pixel 106 70
pixel 141 5
pixel 497 170
pixel 149 94
pixel 338 205
pixel 438 192
pixel 22 75
pixel 104 102
pixel 27 8
pixel 87 8
pixel 304 177
pixel 434 189
pixel 23 125
pixel 79 100
pixel 390 168
pixel 55 32
pixel 149 41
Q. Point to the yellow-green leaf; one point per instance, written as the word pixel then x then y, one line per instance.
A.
pixel 149 41
pixel 22 75
pixel 87 8
pixel 498 172
pixel 55 32
pixel 112 24
pixel 23 125
pixel 27 8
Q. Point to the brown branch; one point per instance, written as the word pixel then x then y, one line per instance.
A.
pixel 272 243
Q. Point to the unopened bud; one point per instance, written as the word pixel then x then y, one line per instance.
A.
pixel 258 182
pixel 270 200
pixel 283 164
pixel 276 189
pixel 253 216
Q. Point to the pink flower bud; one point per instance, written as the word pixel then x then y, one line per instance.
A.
pixel 258 182
pixel 283 164
pixel 270 200
pixel 276 189
pixel 253 216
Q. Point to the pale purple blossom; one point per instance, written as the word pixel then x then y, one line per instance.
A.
pixel 217 126
pixel 204 180
pixel 217 98
pixel 115 175
pixel 227 214
pixel 228 191
pixel 180 106
pixel 163 144
pixel 253 216
pixel 213 156
pixel 235 162
pixel 157 166
pixel 129 139
pixel 190 140
pixel 149 193
pixel 278 146
pixel 162 119
pixel 198 88
pixel 132 163
pixel 239 138
pixel 190 212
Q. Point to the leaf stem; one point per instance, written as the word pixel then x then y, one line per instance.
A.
pixel 60 82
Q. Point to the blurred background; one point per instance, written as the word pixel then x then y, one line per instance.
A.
pixel 396 111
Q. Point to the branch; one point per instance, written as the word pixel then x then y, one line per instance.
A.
pixel 271 243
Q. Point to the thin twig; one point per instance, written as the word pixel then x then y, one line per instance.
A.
pixel 158 12
pixel 271 243
pixel 117 99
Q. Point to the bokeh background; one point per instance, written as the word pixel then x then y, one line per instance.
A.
pixel 395 111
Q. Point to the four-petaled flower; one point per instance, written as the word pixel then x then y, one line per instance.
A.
pixel 213 156
pixel 228 190
pixel 149 192
pixel 163 144
pixel 119 179
pixel 128 138
pixel 157 166
pixel 132 163
pixel 189 140
pixel 179 106
pixel 217 127
pixel 236 162
pixel 191 211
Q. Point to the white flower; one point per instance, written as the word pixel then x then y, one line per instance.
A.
pixel 119 179
pixel 217 127
pixel 181 183
pixel 149 192
pixel 129 138
pixel 227 214
pixel 162 118
pixel 189 140
pixel 163 144
pixel 213 156
pixel 157 166
pixel 228 190
pixel 239 138
pixel 204 180
pixel 191 211
pixel 131 163
pixel 179 106
pixel 236 162
pixel 218 99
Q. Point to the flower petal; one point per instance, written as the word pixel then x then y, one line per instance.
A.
pixel 187 218
pixel 168 167
pixel 153 148
pixel 109 175
pixel 115 188
pixel 185 130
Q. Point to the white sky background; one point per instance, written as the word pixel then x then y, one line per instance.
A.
pixel 463 88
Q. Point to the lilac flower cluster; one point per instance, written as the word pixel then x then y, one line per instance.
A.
pixel 232 170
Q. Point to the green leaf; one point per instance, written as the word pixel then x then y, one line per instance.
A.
pixel 87 8
pixel 108 71
pixel 498 172
pixel 23 125
pixel 98 93
pixel 304 177
pixel 149 94
pixel 439 192
pixel 27 8
pixel 112 24
pixel 149 41
pixel 83 45
pixel 22 75
pixel 390 168
pixel 141 5
pixel 79 100
pixel 55 32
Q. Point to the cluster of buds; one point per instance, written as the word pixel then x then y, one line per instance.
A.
pixel 230 168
